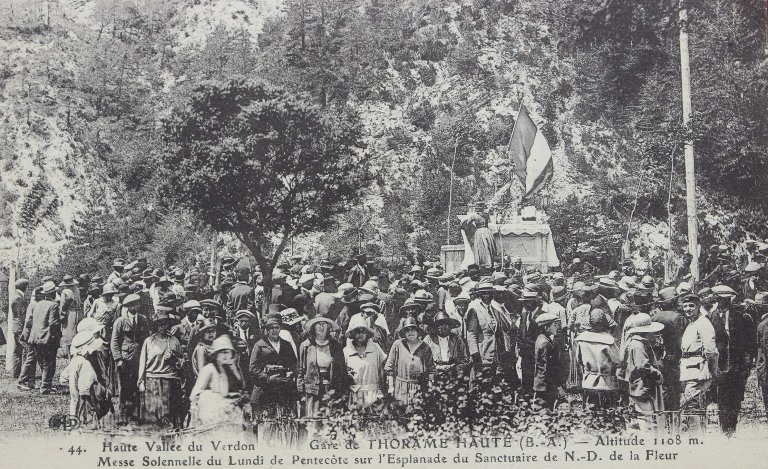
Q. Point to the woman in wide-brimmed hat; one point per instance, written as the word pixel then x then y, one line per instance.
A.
pixel 217 396
pixel 597 356
pixel 641 367
pixel 321 365
pixel 160 374
pixel 80 375
pixel 365 361
pixel 410 363
pixel 272 368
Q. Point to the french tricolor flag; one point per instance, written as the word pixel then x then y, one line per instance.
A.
pixel 531 154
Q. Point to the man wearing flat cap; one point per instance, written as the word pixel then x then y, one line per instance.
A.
pixel 528 334
pixel 548 373
pixel 699 355
pixel 128 335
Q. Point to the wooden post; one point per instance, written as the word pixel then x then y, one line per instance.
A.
pixel 690 178
pixel 450 193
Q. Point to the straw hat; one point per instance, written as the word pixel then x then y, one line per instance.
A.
pixel 85 342
pixel 644 324
pixel 358 322
pixel 309 325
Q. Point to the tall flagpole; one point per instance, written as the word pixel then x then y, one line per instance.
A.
pixel 690 178
pixel 450 193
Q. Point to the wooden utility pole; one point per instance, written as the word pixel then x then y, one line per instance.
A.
pixel 690 174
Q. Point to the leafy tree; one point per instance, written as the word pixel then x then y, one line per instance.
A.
pixel 261 163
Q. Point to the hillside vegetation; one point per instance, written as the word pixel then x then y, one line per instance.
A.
pixel 84 85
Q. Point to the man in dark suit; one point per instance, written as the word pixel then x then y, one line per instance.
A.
pixel 242 295
pixel 128 335
pixel 674 325
pixel 735 338
pixel 548 373
pixel 358 274
pixel 16 323
pixel 42 331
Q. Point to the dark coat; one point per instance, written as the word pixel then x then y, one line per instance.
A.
pixel 127 339
pixel 548 372
pixel 736 345
pixel 672 334
pixel 271 386
pixel 308 380
pixel 457 351
pixel 241 296
pixel 18 313
pixel 357 275
pixel 43 325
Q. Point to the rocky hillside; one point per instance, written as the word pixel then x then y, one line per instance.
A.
pixel 436 84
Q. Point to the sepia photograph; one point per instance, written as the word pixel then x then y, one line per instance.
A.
pixel 383 233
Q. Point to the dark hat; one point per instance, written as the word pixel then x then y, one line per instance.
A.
pixel 68 281
pixel 131 300
pixel 350 296
pixel 165 280
pixel 409 323
pixel 168 299
pixel 409 307
pixel 690 298
pixel 272 320
pixel 641 298
pixel 442 318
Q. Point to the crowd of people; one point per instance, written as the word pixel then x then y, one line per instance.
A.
pixel 176 348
